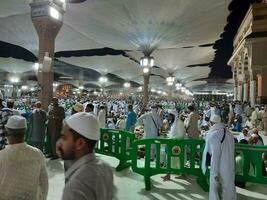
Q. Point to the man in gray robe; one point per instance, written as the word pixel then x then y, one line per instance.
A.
pixel 37 130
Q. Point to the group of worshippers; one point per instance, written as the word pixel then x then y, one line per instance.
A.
pixel 23 171
pixel 237 115
pixel 218 155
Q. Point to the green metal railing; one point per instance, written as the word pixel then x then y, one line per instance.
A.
pixel 186 154
pixel 174 157
pixel 116 143
pixel 252 166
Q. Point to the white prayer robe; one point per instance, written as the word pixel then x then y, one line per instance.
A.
pixel 151 127
pixel 177 132
pixel 102 118
pixel 222 163
pixel 23 174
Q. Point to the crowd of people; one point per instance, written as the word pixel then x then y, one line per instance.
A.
pixel 72 127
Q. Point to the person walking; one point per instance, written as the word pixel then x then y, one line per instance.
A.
pixel 221 150
pixel 88 178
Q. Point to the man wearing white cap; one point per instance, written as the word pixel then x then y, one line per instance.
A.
pixel 23 172
pixel 87 178
pixel 220 146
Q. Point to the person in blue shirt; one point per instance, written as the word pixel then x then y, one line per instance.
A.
pixel 131 119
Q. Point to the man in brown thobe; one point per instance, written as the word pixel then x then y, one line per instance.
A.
pixel 55 117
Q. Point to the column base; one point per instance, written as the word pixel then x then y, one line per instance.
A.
pixel 262 100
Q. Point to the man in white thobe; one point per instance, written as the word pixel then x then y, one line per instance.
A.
pixel 152 123
pixel 23 172
pixel 102 117
pixel 220 145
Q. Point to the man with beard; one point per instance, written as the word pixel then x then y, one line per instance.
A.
pixel 88 177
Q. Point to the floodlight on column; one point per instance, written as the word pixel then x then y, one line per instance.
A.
pixel 103 79
pixel 146 70
pixel 55 84
pixel 127 84
pixel 52 8
pixel 187 92
pixel 36 66
pixel 147 61
pixel 178 85
pixel 54 13
pixel 153 90
pixel 170 79
pixel 95 92
pixel 81 87
pixel 14 79
pixel 24 87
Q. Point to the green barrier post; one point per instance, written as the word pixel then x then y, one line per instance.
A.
pixel 252 161
pixel 175 149
pixel 116 143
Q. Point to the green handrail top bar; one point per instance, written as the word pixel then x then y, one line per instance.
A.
pixel 249 147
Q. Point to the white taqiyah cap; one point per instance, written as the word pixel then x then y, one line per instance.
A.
pixel 78 107
pixel 85 124
pixel 215 119
pixel 16 122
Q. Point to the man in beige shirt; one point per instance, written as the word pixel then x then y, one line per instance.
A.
pixel 192 123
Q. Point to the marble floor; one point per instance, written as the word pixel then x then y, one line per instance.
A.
pixel 130 185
